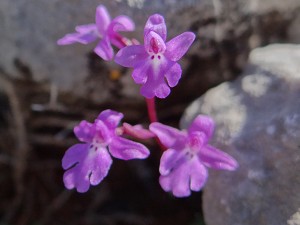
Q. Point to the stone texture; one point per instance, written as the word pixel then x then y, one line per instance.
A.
pixel 257 121
pixel 295 219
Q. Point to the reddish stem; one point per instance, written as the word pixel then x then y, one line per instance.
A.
pixel 153 118
pixel 151 109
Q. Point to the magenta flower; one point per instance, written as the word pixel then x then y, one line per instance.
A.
pixel 183 164
pixel 89 162
pixel 104 29
pixel 155 63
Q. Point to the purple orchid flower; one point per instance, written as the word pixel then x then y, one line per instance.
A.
pixel 104 29
pixel 89 163
pixel 155 63
pixel 183 164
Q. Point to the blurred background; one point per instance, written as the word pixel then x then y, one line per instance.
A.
pixel 46 89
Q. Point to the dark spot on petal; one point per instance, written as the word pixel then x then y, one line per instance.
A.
pixel 152 57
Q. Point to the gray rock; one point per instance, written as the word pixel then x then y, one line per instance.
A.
pixel 257 121
pixel 295 219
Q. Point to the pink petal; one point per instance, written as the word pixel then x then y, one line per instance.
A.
pixel 74 178
pixel 122 148
pixel 103 133
pixel 84 131
pixel 157 24
pixel 111 118
pixel 217 159
pixel 169 136
pixel 137 131
pixel 121 23
pixel 147 90
pixel 190 175
pixel 170 160
pixel 102 19
pixel 154 43
pixel 203 124
pixel 74 155
pixel 140 72
pixel 179 45
pixel 131 55
pixel 162 90
pixel 83 38
pixel 198 175
pixel 91 168
pixel 99 166
pixel 173 75
pixel 178 182
pixel 104 49
pixel 155 84
pixel 87 28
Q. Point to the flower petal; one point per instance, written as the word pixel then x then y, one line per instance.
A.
pixel 104 49
pixel 173 74
pixel 103 134
pixel 102 19
pixel 74 155
pixel 122 148
pixel 178 181
pixel 198 175
pixel 140 72
pixel 111 118
pixel 202 123
pixel 74 178
pixel 162 90
pixel 155 84
pixel 93 165
pixel 84 131
pixel 217 159
pixel 137 131
pixel 83 38
pixel 170 160
pixel 157 24
pixel 99 166
pixel 179 45
pixel 154 43
pixel 169 136
pixel 129 56
pixel 86 28
pixel 121 23
pixel 196 140
pixel 189 175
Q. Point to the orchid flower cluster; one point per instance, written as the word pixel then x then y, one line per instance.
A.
pixel 186 153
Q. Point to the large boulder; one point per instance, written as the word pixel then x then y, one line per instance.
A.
pixel 258 122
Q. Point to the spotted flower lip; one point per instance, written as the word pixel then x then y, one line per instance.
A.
pixel 183 164
pixel 155 64
pixel 88 163
pixel 104 29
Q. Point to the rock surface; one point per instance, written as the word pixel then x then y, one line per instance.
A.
pixel 257 121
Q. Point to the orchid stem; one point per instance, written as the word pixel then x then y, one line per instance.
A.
pixel 151 109
pixel 153 118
